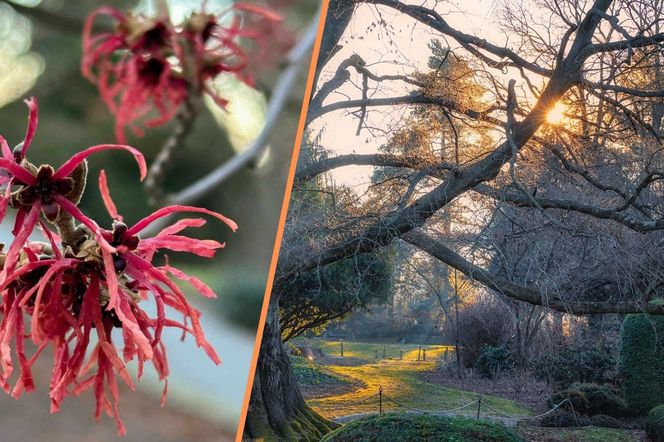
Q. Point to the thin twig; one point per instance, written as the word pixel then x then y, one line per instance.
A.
pixel 511 107
pixel 184 122
pixel 278 101
pixel 511 121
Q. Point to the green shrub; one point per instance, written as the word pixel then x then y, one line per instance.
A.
pixel 416 427
pixel 492 361
pixel 308 373
pixel 655 424
pixel 642 362
pixel 576 364
pixel 592 399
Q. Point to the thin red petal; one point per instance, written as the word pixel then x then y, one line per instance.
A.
pixel 106 196
pixel 182 224
pixel 71 164
pixel 18 171
pixel 149 270
pixel 129 321
pixel 255 9
pixel 89 42
pixel 4 200
pixel 26 268
pixel 178 243
pixel 22 236
pixel 6 151
pixel 119 366
pixel 33 119
pixel 53 239
pixel 115 303
pixel 196 283
pixel 165 211
pixel 25 381
pixel 164 393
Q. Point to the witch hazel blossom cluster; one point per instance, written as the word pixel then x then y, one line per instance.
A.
pixel 147 67
pixel 82 288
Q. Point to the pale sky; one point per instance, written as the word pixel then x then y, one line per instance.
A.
pixel 411 38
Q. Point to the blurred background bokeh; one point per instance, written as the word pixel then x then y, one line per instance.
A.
pixel 40 51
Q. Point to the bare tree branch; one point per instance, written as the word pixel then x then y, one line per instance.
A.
pixel 280 97
pixel 519 292
pixel 431 18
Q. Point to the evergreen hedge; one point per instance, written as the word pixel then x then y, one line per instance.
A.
pixel 641 365
pixel 655 424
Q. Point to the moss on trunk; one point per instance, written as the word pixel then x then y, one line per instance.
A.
pixel 277 410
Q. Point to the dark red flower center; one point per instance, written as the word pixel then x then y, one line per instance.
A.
pixel 119 238
pixel 45 190
pixel 153 39
pixel 30 279
pixel 150 70
pixel 209 29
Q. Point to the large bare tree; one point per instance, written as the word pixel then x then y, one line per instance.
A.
pixel 551 174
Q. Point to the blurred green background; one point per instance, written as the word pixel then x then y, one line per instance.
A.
pixel 40 51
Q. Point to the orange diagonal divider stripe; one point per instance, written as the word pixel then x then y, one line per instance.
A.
pixel 282 217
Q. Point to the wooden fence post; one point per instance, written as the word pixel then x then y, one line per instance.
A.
pixel 384 357
pixel 380 400
pixel 424 354
pixel 341 342
pixel 401 354
pixel 479 405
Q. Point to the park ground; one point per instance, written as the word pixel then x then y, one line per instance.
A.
pixel 345 388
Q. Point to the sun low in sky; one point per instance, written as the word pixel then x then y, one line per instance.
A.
pixel 557 114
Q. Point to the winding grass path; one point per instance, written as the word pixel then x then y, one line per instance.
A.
pixel 363 365
pixel 400 381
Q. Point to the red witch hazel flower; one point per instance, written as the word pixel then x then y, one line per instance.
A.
pixel 43 189
pixel 149 64
pixel 84 278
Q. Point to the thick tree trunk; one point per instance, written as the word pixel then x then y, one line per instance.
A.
pixel 277 410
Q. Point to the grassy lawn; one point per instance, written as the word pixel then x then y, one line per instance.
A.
pixel 418 427
pixel 399 379
pixel 589 434
pixel 365 350
pixel 309 373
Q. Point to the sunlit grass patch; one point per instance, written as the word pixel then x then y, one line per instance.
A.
pixel 364 350
pixel 399 380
